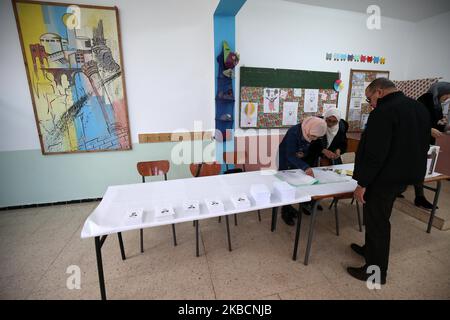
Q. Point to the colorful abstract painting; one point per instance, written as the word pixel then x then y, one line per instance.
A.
pixel 73 59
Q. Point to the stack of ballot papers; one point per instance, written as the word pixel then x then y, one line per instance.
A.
pixel 164 211
pixel 296 177
pixel 134 216
pixel 284 191
pixel 260 193
pixel 241 201
pixel 215 206
pixel 191 207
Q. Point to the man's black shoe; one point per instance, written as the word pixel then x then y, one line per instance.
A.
pixel 423 203
pixel 361 274
pixel 358 249
pixel 306 211
pixel 319 207
pixel 288 219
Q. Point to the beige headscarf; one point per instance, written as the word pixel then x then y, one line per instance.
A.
pixel 332 132
pixel 313 126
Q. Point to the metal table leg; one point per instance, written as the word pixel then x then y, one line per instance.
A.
pixel 228 233
pixel 336 215
pixel 122 250
pixel 359 216
pixel 435 202
pixel 311 231
pixel 274 219
pixel 196 238
pixel 101 279
pixel 297 232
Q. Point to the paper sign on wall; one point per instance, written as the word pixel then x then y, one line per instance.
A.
pixel 290 110
pixel 311 100
pixel 297 93
pixel 328 106
pixel 271 100
pixel 249 113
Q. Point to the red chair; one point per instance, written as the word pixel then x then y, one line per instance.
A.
pixel 150 169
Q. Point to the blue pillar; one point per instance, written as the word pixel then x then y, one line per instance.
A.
pixel 224 30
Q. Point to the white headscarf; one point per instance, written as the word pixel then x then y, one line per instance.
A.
pixel 332 132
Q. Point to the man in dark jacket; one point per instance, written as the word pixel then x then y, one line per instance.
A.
pixel 391 155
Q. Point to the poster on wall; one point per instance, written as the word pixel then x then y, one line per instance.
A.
pixel 311 100
pixel 74 66
pixel 249 114
pixel 290 112
pixel 271 100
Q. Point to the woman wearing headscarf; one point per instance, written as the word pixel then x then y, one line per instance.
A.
pixel 295 148
pixel 437 101
pixel 331 146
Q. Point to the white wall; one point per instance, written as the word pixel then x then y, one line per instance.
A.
pixel 168 56
pixel 430 49
pixel 279 34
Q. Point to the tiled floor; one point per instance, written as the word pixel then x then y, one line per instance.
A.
pixel 38 245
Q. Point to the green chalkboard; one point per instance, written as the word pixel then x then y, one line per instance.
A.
pixel 283 78
pixel 253 81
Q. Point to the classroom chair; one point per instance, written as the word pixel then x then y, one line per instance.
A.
pixel 237 159
pixel 205 170
pixel 149 169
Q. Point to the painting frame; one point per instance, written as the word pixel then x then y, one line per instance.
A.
pixel 124 141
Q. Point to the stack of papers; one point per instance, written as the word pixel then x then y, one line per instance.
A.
pixel 162 212
pixel 296 177
pixel 284 191
pixel 134 216
pixel 215 206
pixel 241 201
pixel 191 207
pixel 260 193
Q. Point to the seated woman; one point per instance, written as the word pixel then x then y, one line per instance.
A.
pixel 295 148
pixel 330 147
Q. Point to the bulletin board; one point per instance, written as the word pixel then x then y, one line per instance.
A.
pixel 280 98
pixel 358 109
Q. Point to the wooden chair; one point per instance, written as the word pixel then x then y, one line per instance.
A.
pixel 205 170
pixel 150 169
pixel 237 159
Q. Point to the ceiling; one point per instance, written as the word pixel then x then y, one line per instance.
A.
pixel 409 10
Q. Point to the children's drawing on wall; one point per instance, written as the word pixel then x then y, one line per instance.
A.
pixel 311 100
pixel 271 100
pixel 328 106
pixel 249 112
pixel 290 110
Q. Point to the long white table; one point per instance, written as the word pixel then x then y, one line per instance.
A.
pixel 109 217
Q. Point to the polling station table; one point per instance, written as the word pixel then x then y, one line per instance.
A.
pixel 112 214
pixel 344 190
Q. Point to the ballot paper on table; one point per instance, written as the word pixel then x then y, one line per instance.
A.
pixel 191 207
pixel 215 206
pixel 296 178
pixel 134 216
pixel 260 193
pixel 164 211
pixel 241 201
pixel 284 191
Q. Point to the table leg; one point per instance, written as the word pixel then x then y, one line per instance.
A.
pixel 196 238
pixel 122 250
pixel 359 216
pixel 297 232
pixel 101 279
pixel 274 218
pixel 228 233
pixel 435 202
pixel 311 231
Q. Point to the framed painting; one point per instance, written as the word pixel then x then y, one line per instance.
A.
pixel 73 60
